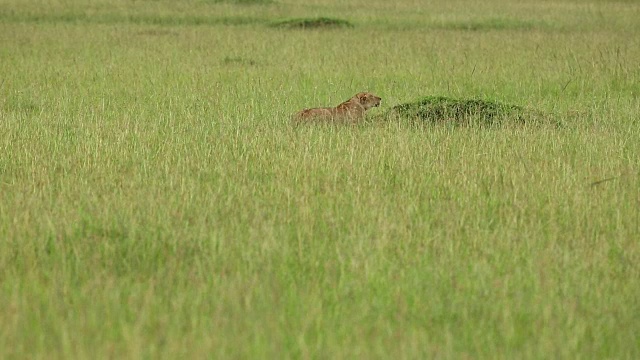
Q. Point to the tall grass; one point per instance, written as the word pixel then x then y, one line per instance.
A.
pixel 156 202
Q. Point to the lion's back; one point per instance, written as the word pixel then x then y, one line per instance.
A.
pixel 314 114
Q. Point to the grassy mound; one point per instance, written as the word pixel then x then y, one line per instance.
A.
pixel 315 23
pixel 440 109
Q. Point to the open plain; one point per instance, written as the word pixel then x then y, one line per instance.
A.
pixel 155 201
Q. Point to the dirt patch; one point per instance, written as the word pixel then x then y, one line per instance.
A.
pixel 491 24
pixel 235 60
pixel 313 23
pixel 243 2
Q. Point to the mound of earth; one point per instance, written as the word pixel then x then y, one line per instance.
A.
pixel 314 23
pixel 440 109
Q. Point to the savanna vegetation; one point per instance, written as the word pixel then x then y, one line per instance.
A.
pixel 156 202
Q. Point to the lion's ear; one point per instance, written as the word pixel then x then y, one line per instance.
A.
pixel 362 98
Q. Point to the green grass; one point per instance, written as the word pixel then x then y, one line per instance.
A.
pixel 155 201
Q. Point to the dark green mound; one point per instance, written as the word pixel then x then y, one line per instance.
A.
pixel 315 23
pixel 440 109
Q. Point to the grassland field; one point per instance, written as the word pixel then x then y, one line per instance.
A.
pixel 156 202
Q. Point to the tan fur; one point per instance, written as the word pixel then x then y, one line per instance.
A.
pixel 351 110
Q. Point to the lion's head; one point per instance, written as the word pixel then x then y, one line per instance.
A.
pixel 368 100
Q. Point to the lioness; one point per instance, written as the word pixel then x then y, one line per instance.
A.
pixel 351 110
